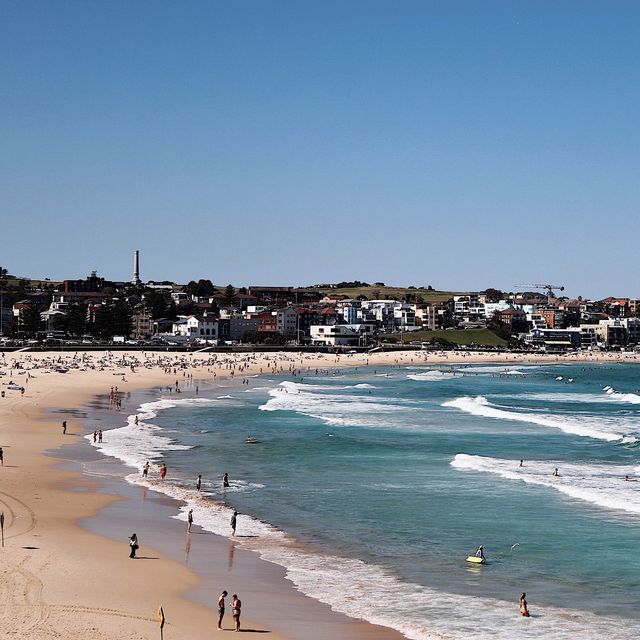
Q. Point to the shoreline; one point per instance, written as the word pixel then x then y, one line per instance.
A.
pixel 55 559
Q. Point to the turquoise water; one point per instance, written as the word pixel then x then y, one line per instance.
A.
pixel 373 487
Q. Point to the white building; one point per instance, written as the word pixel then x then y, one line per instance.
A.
pixel 196 327
pixel 347 335
pixel 490 308
pixel 390 314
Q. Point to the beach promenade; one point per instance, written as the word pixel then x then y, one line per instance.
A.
pixel 58 580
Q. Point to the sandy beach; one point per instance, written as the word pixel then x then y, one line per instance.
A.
pixel 61 580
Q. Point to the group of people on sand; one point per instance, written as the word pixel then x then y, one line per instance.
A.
pixel 236 607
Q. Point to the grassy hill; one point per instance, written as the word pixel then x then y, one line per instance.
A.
pixel 372 292
pixel 458 336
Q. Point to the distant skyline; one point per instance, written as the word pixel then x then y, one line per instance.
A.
pixel 461 145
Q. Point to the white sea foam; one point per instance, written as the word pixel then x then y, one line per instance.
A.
pixel 586 426
pixel 609 396
pixel 134 444
pixel 332 408
pixel 505 368
pixel 600 484
pixel 432 376
pixel 585 398
pixel 619 396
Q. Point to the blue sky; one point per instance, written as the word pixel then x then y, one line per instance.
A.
pixel 455 144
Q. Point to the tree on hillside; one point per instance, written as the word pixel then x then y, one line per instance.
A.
pixel 156 304
pixel 77 319
pixel 499 328
pixel 121 323
pixel 113 321
pixel 172 310
pixel 201 288
pixel 230 297
pixel 30 322
pixel 493 295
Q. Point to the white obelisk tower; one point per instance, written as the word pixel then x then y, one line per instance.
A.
pixel 136 268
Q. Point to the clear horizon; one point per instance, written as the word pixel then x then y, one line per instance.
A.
pixel 457 145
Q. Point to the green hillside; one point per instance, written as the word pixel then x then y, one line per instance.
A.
pixel 373 292
pixel 458 336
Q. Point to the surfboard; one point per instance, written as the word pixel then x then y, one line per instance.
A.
pixel 475 559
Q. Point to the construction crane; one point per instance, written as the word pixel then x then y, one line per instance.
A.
pixel 549 288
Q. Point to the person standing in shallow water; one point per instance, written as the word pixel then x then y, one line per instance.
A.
pixel 199 482
pixel 524 609
pixel 225 480
pixel 189 520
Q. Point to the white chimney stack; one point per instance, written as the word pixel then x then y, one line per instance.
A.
pixel 136 268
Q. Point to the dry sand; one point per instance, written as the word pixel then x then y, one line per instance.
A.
pixel 57 580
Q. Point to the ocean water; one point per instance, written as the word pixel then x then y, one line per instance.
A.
pixel 372 487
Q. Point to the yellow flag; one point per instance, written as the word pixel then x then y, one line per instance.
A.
pixel 161 616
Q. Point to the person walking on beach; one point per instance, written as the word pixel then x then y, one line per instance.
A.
pixel 236 605
pixel 133 545
pixel 145 469
pixel 223 595
pixel 198 482
pixel 1 457
pixel 189 520
pixel 100 435
pixel 234 519
pixel 524 609
pixel 163 471
pixel 225 480
pixel 95 436
pixel 64 426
